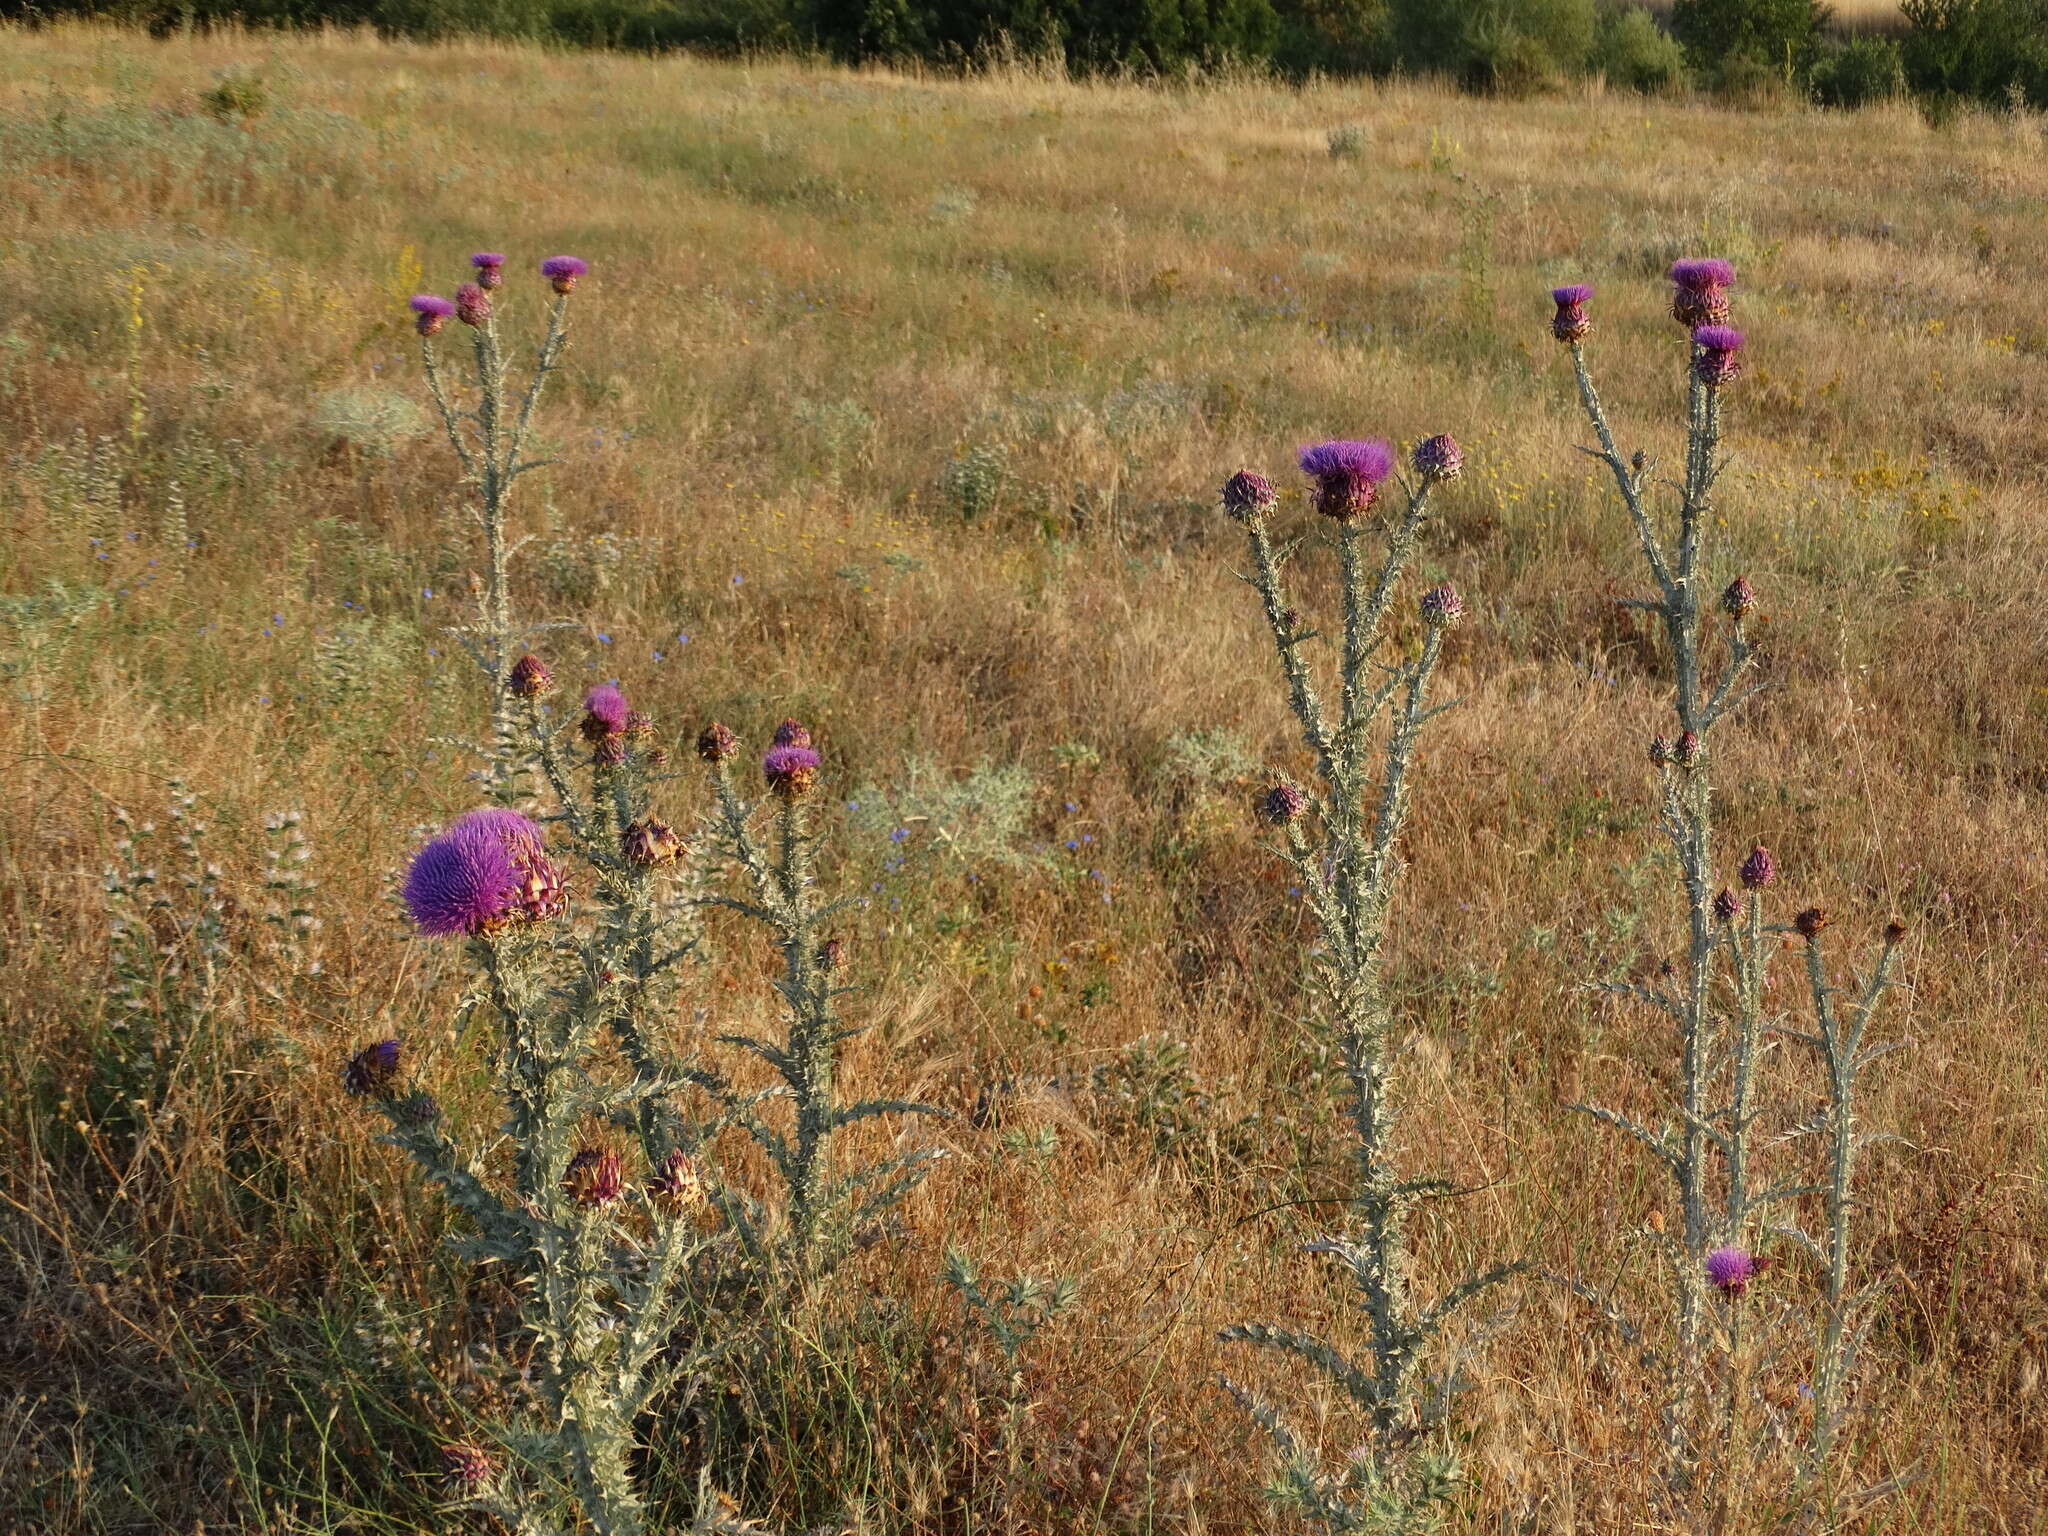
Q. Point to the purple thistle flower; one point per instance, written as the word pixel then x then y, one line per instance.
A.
pixel 1347 474
pixel 1717 362
pixel 1686 750
pixel 530 678
pixel 1247 496
pixel 790 771
pixel 1725 905
pixel 466 1470
pixel 432 311
pixel 472 304
pixel 1731 1269
pixel 490 268
pixel 1441 606
pixel 1571 323
pixel 1281 804
pixel 677 1181
pixel 594 1177
pixel 1439 458
pixel 563 271
pixel 490 869
pixel 1739 598
pixel 371 1069
pixel 1759 869
pixel 1698 295
pixel 605 713
pixel 792 733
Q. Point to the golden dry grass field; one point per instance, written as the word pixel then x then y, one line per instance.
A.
pixel 901 404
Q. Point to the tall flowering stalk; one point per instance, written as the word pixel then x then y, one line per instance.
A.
pixel 1714 1144
pixel 1341 840
pixel 490 436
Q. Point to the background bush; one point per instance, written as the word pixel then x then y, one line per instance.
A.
pixel 1631 50
pixel 1858 72
pixel 1493 45
pixel 1982 50
pixel 1781 34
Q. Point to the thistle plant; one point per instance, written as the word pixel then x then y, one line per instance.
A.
pixel 1341 839
pixel 490 435
pixel 1729 1140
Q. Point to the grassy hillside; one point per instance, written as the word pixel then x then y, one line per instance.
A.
pixel 900 404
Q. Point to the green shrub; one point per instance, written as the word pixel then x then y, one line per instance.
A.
pixel 1859 72
pixel 1632 51
pixel 1780 34
pixel 1982 50
pixel 1507 46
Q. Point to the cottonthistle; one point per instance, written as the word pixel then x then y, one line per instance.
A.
pixel 488 871
pixel 1686 750
pixel 605 713
pixel 1347 475
pixel 372 1069
pixel 1699 291
pixel 639 725
pixel 1725 905
pixel 472 304
pixel 1809 923
pixel 716 744
pixel 490 269
pixel 594 1178
pixel 530 678
pixel 431 312
pixel 1281 804
pixel 790 771
pixel 1738 598
pixel 677 1180
pixel 1759 869
pixel 1441 607
pixel 1571 323
pixel 792 733
pixel 1246 496
pixel 562 272
pixel 1717 361
pixel 1730 1269
pixel 466 1470
pixel 1439 458
pixel 650 842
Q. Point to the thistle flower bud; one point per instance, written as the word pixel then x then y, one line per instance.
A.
pixel 1571 323
pixel 677 1182
pixel 1699 291
pixel 1660 751
pixel 1439 458
pixel 1730 1269
pixel 372 1069
pixel 1655 1220
pixel 1810 922
pixel 418 1111
pixel 831 954
pixel 1717 361
pixel 605 713
pixel 466 1470
pixel 430 312
pixel 790 771
pixel 639 725
pixel 793 733
pixel 1281 804
pixel 716 744
pixel 562 272
pixel 1441 606
pixel 1738 598
pixel 1347 475
pixel 490 269
pixel 472 304
pixel 1895 932
pixel 530 678
pixel 594 1177
pixel 1248 497
pixel 1686 750
pixel 650 842
pixel 1726 906
pixel 609 752
pixel 1759 869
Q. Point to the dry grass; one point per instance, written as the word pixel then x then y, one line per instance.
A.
pixel 811 291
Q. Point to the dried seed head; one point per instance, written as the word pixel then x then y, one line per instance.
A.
pixel 1725 905
pixel 1810 922
pixel 530 678
pixel 1655 1220
pixel 1248 497
pixel 1895 932
pixel 650 842
pixel 1686 750
pixel 472 304
pixel 490 269
pixel 1738 598
pixel 677 1183
pixel 716 744
pixel 1441 606
pixel 1571 323
pixel 790 771
pixel 594 1177
pixel 466 1470
pixel 1717 361
pixel 792 733
pixel 1730 1269
pixel 1281 804
pixel 1660 751
pixel 1699 291
pixel 430 312
pixel 1759 869
pixel 562 272
pixel 1439 458
pixel 372 1069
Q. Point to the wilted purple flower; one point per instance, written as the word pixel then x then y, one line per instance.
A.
pixel 790 771
pixel 1809 923
pixel 1347 474
pixel 1441 606
pixel 792 733
pixel 831 954
pixel 594 1177
pixel 1571 322
pixel 490 869
pixel 639 725
pixel 563 271
pixel 716 743
pixel 649 842
pixel 530 678
pixel 1660 751
pixel 1717 362
pixel 1686 750
pixel 1759 869
pixel 1439 458
pixel 1281 804
pixel 1699 292
pixel 371 1069
pixel 1738 598
pixel 605 713
pixel 490 269
pixel 1730 1269
pixel 466 1470
pixel 1247 496
pixel 432 311
pixel 677 1182
pixel 1725 905
pixel 472 304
